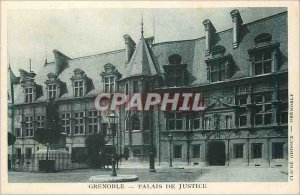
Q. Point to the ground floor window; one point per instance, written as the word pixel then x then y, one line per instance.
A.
pixel 177 150
pixel 256 150
pixel 238 150
pixel 28 152
pixel 277 150
pixel 196 151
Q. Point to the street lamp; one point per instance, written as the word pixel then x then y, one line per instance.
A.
pixel 112 123
pixel 170 137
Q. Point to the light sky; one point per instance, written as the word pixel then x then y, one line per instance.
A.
pixel 34 34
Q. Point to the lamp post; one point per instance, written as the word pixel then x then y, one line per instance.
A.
pixel 112 123
pixel 170 137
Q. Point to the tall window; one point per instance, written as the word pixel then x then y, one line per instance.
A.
pixel 256 150
pixel 29 126
pixel 174 121
pixel 243 111
pixel 78 88
pixel 52 90
pixel 238 150
pixel 28 95
pixel 109 84
pixel 40 119
pixel 284 108
pixel 79 123
pixel 135 122
pixel 277 150
pixel 135 87
pixel 217 72
pixel 196 122
pixel 207 123
pixel 93 122
pixel 28 152
pixel 66 122
pixel 196 151
pixel 262 62
pixel 177 149
pixel 263 113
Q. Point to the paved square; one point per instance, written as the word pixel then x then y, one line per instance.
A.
pixel 163 174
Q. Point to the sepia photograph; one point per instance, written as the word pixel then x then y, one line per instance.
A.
pixel 156 98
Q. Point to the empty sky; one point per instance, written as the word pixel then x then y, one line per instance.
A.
pixel 80 32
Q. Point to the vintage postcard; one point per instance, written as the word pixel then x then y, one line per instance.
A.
pixel 149 97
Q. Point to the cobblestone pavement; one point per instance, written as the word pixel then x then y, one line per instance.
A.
pixel 163 174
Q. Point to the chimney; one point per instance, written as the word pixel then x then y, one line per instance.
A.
pixel 209 31
pixel 237 22
pixel 61 61
pixel 129 47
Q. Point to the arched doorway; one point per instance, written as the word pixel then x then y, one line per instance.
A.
pixel 216 153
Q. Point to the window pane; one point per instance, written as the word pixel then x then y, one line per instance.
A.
pixel 258 99
pixel 258 68
pixel 277 150
pixel 243 120
pixel 267 55
pixel 268 107
pixel 256 150
pixel 268 118
pixel 267 67
pixel 222 75
pixel 258 119
pixel 178 124
pixel 171 124
pixel 214 76
pixel 268 98
pixel 177 151
pixel 196 151
pixel 258 57
pixel 196 123
pixel 238 150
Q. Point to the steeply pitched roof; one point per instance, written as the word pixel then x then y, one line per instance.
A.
pixel 141 62
pixel 150 61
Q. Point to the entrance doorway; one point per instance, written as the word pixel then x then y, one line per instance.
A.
pixel 216 153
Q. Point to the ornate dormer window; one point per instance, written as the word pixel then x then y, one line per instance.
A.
pixel 109 78
pixel 53 86
pixel 264 56
pixel 175 72
pixel 29 87
pixel 219 66
pixel 79 83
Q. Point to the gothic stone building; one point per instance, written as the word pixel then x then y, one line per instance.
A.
pixel 241 72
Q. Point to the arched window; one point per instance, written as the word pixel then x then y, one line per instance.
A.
pixel 263 39
pixel 135 123
pixel 175 59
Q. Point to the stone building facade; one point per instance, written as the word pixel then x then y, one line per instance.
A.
pixel 241 72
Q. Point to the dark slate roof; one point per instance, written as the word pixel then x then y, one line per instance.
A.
pixel 149 61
